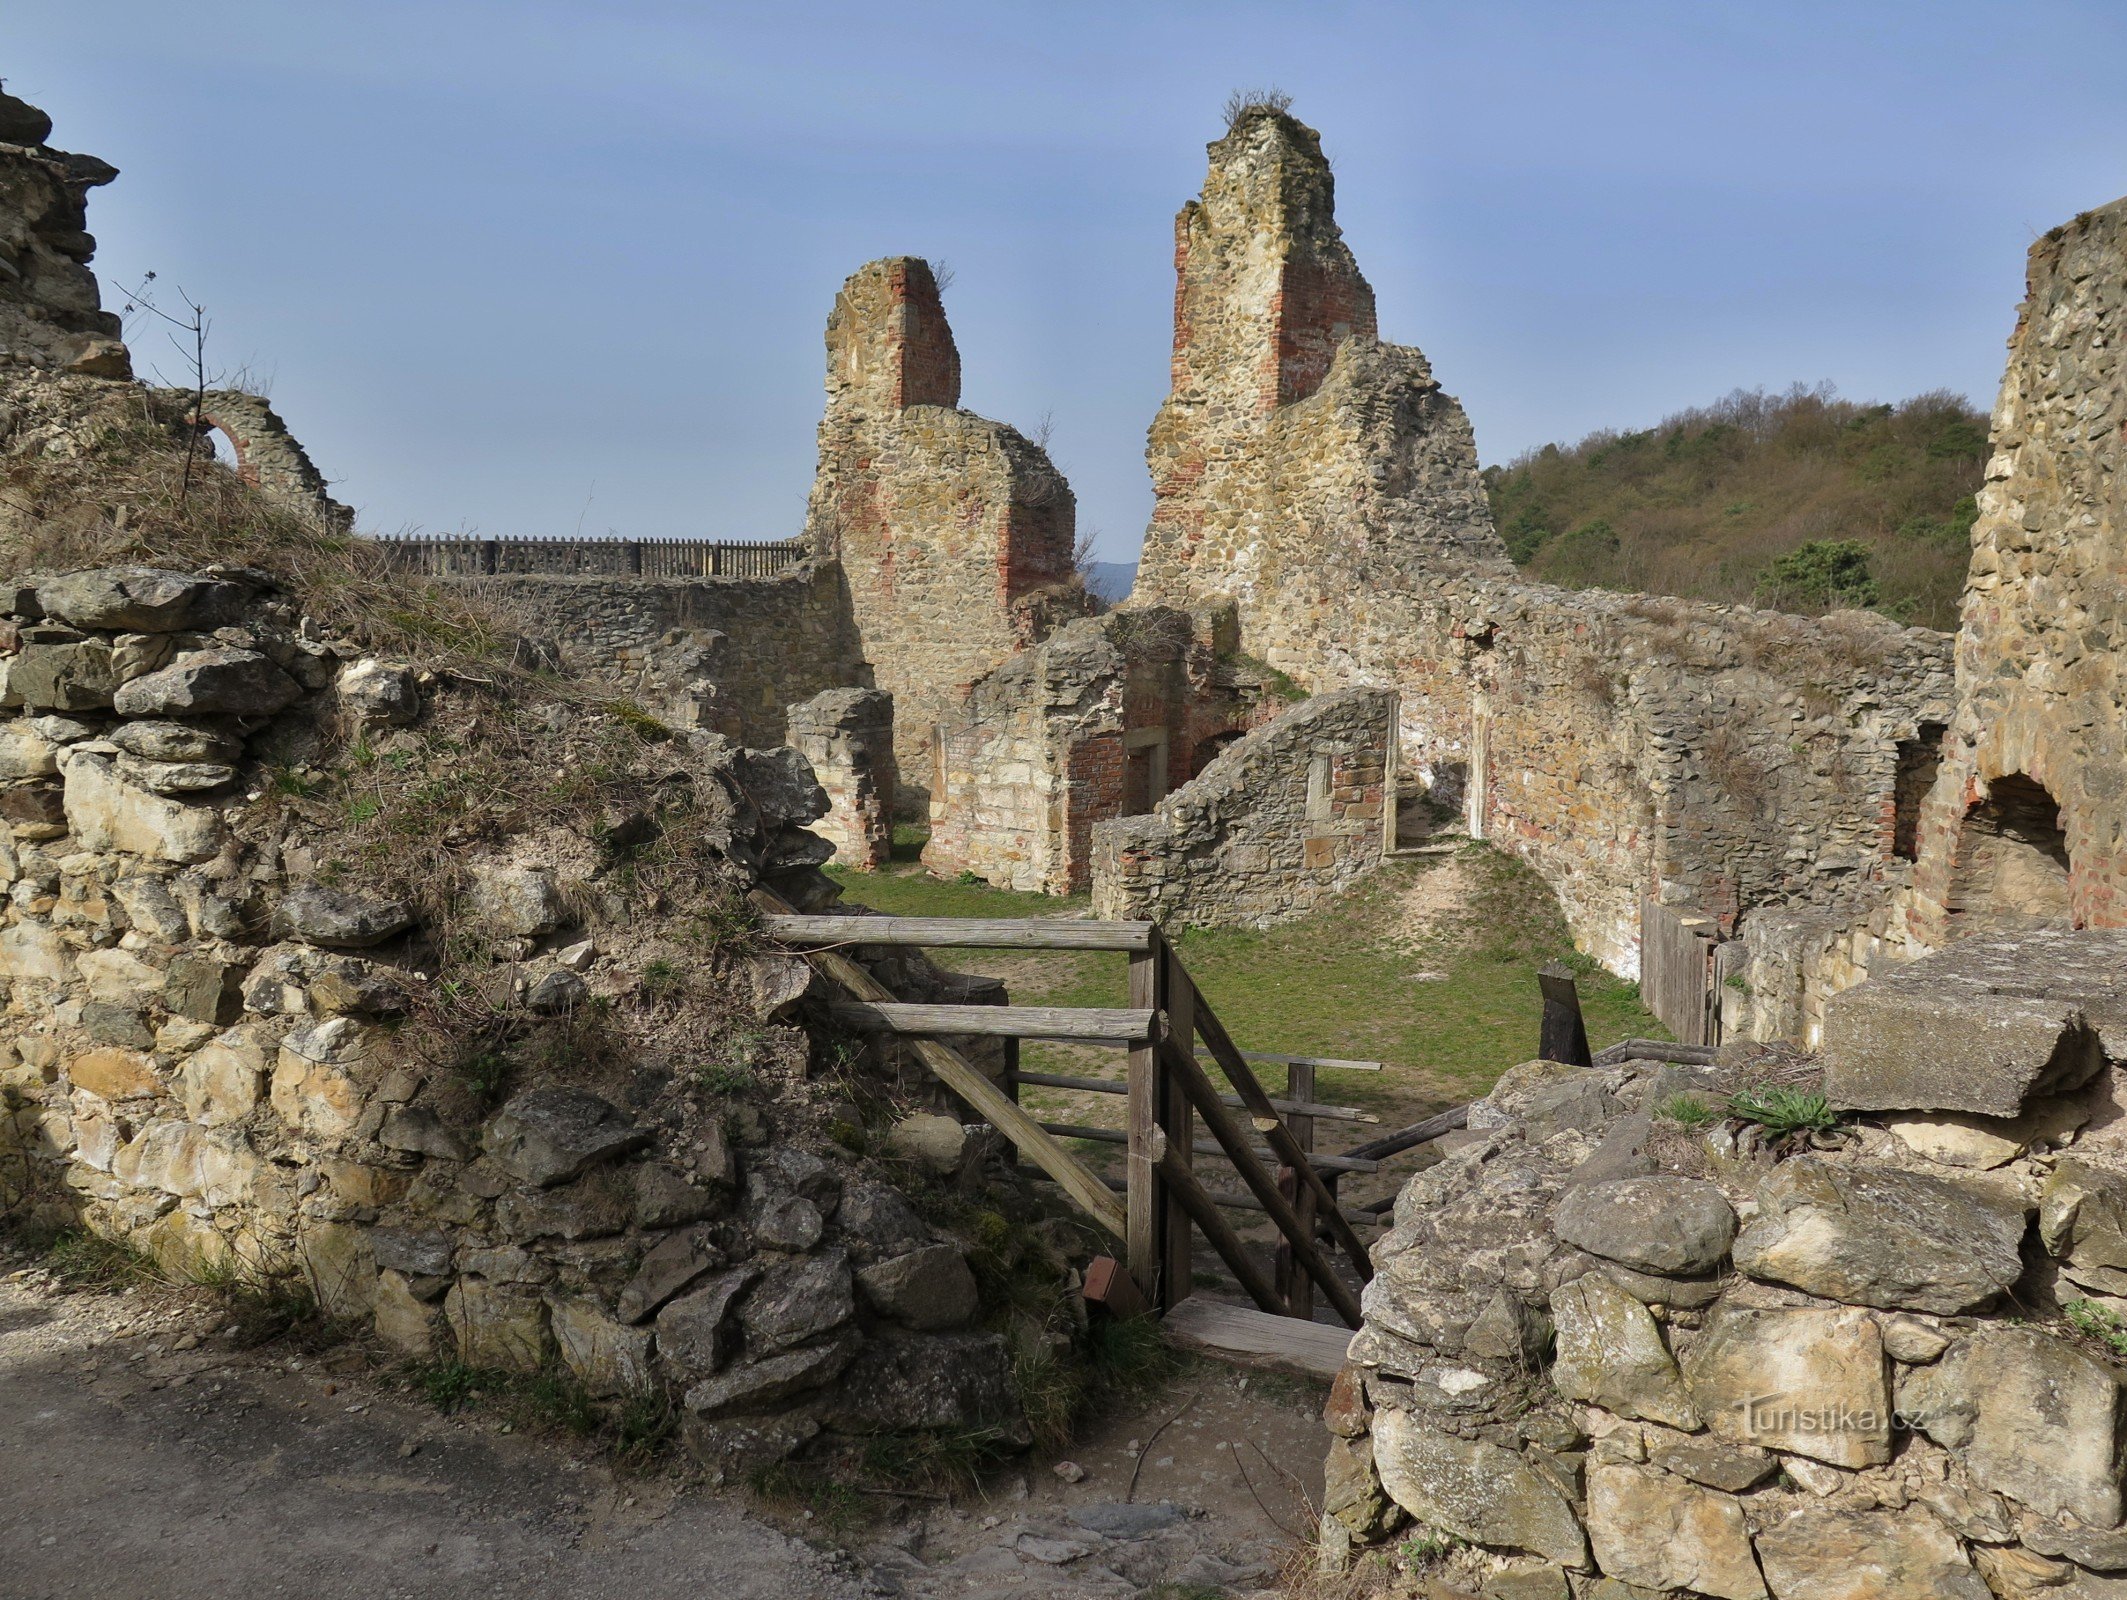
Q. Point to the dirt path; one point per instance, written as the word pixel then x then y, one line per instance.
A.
pixel 142 1459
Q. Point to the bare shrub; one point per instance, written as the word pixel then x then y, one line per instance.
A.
pixel 1245 103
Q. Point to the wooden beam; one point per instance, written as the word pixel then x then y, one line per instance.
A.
pixel 1144 1188
pixel 1221 1328
pixel 1253 1173
pixel 1201 1209
pixel 1564 1035
pixel 1080 1024
pixel 1325 1062
pixel 1294 1108
pixel 1323 1163
pixel 966 1080
pixel 978 933
pixel 1292 1282
pixel 1244 1081
pixel 1390 1144
pixel 1178 1000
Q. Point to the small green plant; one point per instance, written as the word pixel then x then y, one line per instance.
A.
pixel 2101 1323
pixel 968 879
pixel 1428 1544
pixel 661 979
pixel 1686 1110
pixel 1782 1111
pixel 639 722
pixel 291 781
pixel 940 1459
pixel 449 1386
pixel 487 1074
pixel 724 1077
pixel 362 808
pixel 83 1260
pixel 646 1424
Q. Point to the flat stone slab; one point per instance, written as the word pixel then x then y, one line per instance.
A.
pixel 1982 1026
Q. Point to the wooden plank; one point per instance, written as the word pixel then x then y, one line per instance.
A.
pixel 1298 1108
pixel 1293 1284
pixel 1080 1024
pixel 1325 1062
pixel 1253 1173
pixel 1563 1035
pixel 964 1079
pixel 1325 1163
pixel 977 933
pixel 1143 1190
pixel 1178 996
pixel 1417 1133
pixel 1214 1034
pixel 1199 1208
pixel 1689 1055
pixel 1216 1327
pixel 1229 1200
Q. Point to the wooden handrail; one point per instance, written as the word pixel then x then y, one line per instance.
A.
pixel 1295 1108
pixel 1080 1024
pixel 1280 1138
pixel 974 933
pixel 1228 1132
pixel 1323 1163
pixel 965 1080
pixel 1271 1058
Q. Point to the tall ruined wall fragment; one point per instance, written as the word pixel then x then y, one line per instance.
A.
pixel 1296 451
pixel 51 315
pixel 2027 824
pixel 953 534
pixel 1629 748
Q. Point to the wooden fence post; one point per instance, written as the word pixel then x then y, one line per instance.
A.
pixel 1295 1287
pixel 1177 1122
pixel 1144 1191
pixel 1564 1036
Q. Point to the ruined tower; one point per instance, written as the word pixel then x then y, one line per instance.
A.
pixel 50 314
pixel 1296 451
pixel 2026 825
pixel 953 533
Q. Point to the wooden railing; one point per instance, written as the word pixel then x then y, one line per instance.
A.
pixel 593 558
pixel 1175 1041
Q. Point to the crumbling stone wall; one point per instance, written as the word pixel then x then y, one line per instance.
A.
pixel 271 457
pixel 1100 721
pixel 847 736
pixel 953 534
pixel 1620 1353
pixel 2039 649
pixel 1627 747
pixel 729 654
pixel 1283 818
pixel 221 1047
pixel 51 315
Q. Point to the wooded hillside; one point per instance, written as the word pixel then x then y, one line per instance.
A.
pixel 1799 500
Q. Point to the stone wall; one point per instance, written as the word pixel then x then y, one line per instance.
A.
pixel 50 307
pixel 730 654
pixel 1283 818
pixel 230 1038
pixel 1618 1351
pixel 848 737
pixel 953 533
pixel 2040 682
pixel 1103 719
pixel 270 457
pixel 1627 747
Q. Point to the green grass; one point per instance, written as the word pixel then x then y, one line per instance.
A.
pixel 2101 1323
pixel 1343 982
pixel 1687 1110
pixel 1781 1111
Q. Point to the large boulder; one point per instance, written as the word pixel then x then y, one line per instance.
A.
pixel 105 812
pixel 223 681
pixel 2031 1417
pixel 928 1288
pixel 1610 1354
pixel 797 1301
pixel 1664 1533
pixel 1983 1026
pixel 340 919
pixel 1476 1491
pixel 961 1381
pixel 1824 1554
pixel 62 675
pixel 755 1384
pixel 140 600
pixel 1667 1225
pixel 698 1332
pixel 1811 1382
pixel 2082 1217
pixel 1883 1237
pixel 548 1136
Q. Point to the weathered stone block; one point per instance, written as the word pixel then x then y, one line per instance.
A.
pixel 1476 1491
pixel 1811 1382
pixel 1661 1532
pixel 1823 1554
pixel 1610 1354
pixel 497 1326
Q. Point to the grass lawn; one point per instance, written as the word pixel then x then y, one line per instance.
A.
pixel 1428 965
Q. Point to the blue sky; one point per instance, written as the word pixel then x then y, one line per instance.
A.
pixel 535 267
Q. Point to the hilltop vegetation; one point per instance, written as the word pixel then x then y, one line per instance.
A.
pixel 1800 501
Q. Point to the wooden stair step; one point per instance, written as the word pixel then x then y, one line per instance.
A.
pixel 1234 1332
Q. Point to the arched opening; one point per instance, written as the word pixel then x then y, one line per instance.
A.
pixel 218 441
pixel 2011 869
